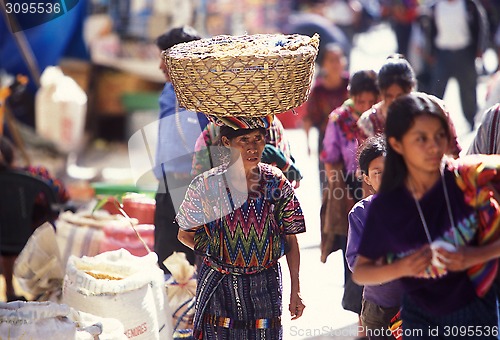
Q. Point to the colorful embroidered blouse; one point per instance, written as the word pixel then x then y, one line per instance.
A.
pixel 341 137
pixel 241 233
pixel 372 122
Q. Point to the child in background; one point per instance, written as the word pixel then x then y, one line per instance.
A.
pixel 380 302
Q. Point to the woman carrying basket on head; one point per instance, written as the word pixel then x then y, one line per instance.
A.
pixel 242 217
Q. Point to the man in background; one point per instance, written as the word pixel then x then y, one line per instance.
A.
pixel 177 134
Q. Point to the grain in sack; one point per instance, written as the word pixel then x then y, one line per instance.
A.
pixel 119 285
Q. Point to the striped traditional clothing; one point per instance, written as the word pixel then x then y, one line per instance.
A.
pixel 242 236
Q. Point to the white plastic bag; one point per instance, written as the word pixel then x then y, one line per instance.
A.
pixel 60 109
pixel 38 268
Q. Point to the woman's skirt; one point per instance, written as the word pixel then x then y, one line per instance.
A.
pixel 477 320
pixel 238 306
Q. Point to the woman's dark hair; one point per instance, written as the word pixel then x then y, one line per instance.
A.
pixel 401 116
pixel 6 153
pixel 363 81
pixel 373 147
pixel 230 133
pixel 176 36
pixel 396 70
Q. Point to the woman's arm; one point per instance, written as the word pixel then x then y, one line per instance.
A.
pixel 370 272
pixel 296 307
pixel 186 238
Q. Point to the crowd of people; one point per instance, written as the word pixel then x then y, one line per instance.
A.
pixel 418 225
pixel 383 145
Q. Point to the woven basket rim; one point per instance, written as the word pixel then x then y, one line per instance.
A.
pixel 242 84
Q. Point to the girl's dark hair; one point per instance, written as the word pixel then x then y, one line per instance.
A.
pixel 230 133
pixel 6 153
pixel 363 81
pixel 401 116
pixel 373 147
pixel 396 70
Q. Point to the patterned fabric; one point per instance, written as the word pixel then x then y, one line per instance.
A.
pixel 372 122
pixel 342 136
pixel 226 309
pixel 473 179
pixel 243 122
pixel 239 232
pixel 54 183
pixel 209 154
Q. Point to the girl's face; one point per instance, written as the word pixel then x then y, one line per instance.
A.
pixel 375 170
pixel 391 93
pixel 249 146
pixel 363 101
pixel 423 145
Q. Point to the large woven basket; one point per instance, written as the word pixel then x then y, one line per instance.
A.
pixel 249 75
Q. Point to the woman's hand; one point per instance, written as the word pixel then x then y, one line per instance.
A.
pixel 457 260
pixel 416 263
pixel 296 306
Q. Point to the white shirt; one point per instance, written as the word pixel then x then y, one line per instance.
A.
pixel 452 26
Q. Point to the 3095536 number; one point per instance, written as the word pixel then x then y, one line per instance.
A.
pixel 33 8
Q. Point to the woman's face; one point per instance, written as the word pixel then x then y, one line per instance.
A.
pixel 391 93
pixel 249 146
pixel 375 171
pixel 334 62
pixel 163 67
pixel 423 145
pixel 363 101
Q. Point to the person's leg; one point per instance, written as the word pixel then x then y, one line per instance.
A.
pixel 403 34
pixel 376 320
pixel 8 273
pixel 166 230
pixel 440 73
pixel 465 73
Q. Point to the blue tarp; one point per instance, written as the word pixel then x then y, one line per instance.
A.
pixel 50 41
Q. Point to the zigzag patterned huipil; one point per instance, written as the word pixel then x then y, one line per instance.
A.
pixel 241 233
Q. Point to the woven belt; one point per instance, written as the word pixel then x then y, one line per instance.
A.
pixel 224 322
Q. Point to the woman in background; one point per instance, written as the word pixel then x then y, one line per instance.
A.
pixel 344 189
